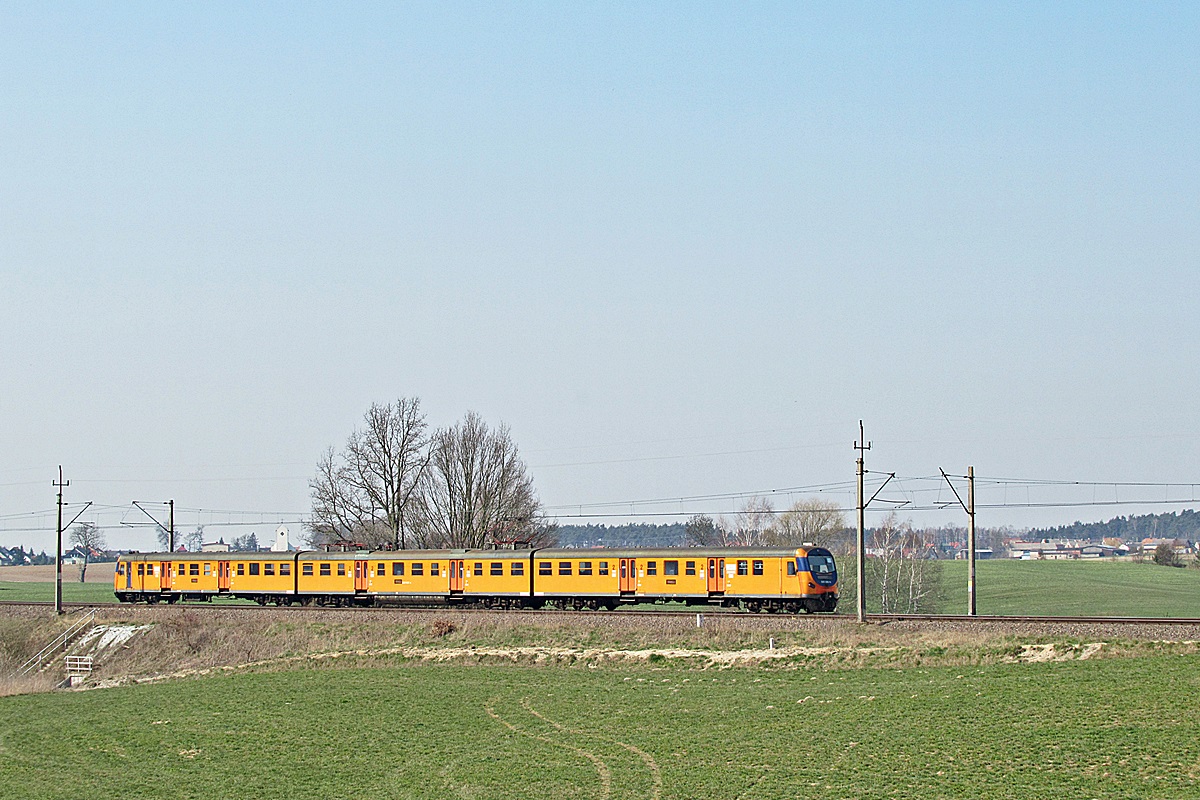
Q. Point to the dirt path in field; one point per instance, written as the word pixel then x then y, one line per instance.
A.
pixel 590 657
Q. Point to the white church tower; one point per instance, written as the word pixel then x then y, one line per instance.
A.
pixel 281 540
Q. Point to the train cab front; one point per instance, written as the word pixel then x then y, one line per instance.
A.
pixel 818 577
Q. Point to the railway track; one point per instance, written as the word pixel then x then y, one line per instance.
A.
pixel 873 619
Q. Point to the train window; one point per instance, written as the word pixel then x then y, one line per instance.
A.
pixel 193 569
pixel 517 568
pixel 820 564
pixel 306 569
pixel 397 567
pixel 341 570
pixel 208 569
pixel 285 568
pixel 120 569
pixel 268 569
pixel 326 570
pixel 149 569
pixel 433 568
pixel 545 568
pixel 181 570
pixel 141 569
pixel 791 567
pixel 241 568
pixel 603 567
pixel 743 567
pixel 670 568
pixel 478 567
pixel 689 568
pixel 758 566
pixel 418 568
pixel 381 569
pixel 585 568
pixel 651 567
pixel 254 569
pixel 497 568
pixel 564 568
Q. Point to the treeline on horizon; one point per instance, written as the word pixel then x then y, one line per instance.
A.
pixel 1183 525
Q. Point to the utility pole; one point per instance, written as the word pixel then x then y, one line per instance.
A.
pixel 58 608
pixel 971 541
pixel 171 528
pixel 60 483
pixel 861 446
pixel 969 507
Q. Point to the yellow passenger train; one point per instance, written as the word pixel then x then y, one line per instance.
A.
pixel 757 579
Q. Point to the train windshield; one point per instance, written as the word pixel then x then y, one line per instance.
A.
pixel 821 567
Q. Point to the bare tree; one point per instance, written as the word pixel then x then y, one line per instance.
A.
pixel 702 531
pixel 193 540
pixel 752 526
pixel 902 577
pixel 813 521
pixel 476 491
pixel 88 538
pixel 367 492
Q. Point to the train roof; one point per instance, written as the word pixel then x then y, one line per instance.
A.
pixel 412 555
pixel 673 552
pixel 211 555
pixel 491 555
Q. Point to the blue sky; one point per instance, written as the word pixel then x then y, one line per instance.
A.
pixel 680 249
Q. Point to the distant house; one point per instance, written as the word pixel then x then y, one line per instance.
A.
pixel 980 553
pixel 76 555
pixel 1059 550
pixel 214 547
pixel 1148 546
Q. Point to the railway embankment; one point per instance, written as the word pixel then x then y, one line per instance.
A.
pixel 152 644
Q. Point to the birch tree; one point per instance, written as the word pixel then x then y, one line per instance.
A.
pixel 752 526
pixel 903 579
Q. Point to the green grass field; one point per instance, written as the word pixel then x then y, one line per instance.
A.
pixel 1097 588
pixel 1118 728
pixel 1074 588
pixel 73 591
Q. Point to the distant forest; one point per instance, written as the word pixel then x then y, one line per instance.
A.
pixel 632 535
pixel 1183 525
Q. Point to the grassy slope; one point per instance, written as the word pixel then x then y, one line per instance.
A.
pixel 1111 728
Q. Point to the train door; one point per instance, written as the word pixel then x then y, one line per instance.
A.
pixel 164 581
pixel 224 573
pixel 628 579
pixel 360 576
pixel 456 576
pixel 716 575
